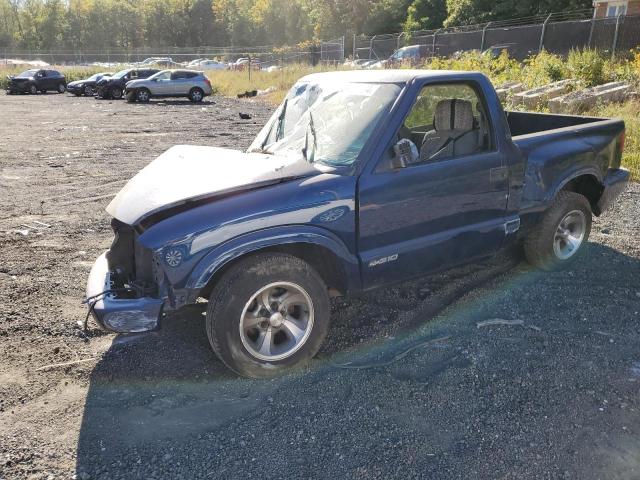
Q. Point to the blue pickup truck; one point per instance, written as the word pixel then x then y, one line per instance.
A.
pixel 359 180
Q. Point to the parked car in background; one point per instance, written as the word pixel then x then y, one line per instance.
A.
pixel 410 55
pixel 494 51
pixel 37 80
pixel 195 63
pixel 359 180
pixel 153 61
pixel 243 63
pixel 87 86
pixel 113 87
pixel 212 65
pixel 170 83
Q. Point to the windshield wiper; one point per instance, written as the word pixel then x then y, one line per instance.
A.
pixel 279 131
pixel 312 128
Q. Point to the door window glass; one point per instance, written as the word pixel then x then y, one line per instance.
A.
pixel 447 121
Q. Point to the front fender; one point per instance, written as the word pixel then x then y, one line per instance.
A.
pixel 219 256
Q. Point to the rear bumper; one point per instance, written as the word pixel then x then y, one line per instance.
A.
pixel 122 315
pixel 614 184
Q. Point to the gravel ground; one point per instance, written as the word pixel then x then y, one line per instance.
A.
pixel 407 385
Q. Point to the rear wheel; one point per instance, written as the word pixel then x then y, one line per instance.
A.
pixel 561 236
pixel 62 88
pixel 196 94
pixel 143 95
pixel 33 90
pixel 267 314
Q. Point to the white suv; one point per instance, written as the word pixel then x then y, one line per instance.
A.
pixel 170 83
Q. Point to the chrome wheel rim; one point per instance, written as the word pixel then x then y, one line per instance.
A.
pixel 196 95
pixel 569 234
pixel 61 88
pixel 143 96
pixel 88 91
pixel 117 93
pixel 276 321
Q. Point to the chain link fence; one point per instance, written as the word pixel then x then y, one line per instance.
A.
pixel 330 51
pixel 557 33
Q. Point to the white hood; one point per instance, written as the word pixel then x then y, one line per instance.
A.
pixel 187 172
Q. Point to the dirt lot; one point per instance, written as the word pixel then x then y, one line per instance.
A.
pixel 429 393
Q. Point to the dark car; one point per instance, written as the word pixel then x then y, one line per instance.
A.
pixel 113 87
pixel 87 86
pixel 359 180
pixel 37 80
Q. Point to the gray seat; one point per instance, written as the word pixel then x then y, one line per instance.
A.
pixel 454 132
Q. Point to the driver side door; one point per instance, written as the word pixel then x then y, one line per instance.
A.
pixel 434 213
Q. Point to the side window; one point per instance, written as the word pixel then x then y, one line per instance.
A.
pixel 42 73
pixel 447 121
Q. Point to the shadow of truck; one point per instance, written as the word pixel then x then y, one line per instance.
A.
pixel 483 403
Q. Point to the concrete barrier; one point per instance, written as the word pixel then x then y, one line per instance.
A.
pixel 538 97
pixel 507 89
pixel 581 100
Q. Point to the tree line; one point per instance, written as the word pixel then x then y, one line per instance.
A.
pixel 128 24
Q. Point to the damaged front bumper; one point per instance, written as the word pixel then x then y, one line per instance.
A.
pixel 116 312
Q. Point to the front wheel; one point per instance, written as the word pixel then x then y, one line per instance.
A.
pixel 62 88
pixel 116 93
pixel 196 94
pixel 143 95
pixel 33 89
pixel 267 314
pixel 88 90
pixel 561 236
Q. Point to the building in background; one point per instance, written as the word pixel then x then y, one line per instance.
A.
pixel 614 8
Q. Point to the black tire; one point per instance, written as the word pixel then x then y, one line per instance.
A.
pixel 231 295
pixel 539 245
pixel 43 91
pixel 61 88
pixel 115 93
pixel 143 95
pixel 33 90
pixel 88 91
pixel 131 96
pixel 77 94
pixel 196 94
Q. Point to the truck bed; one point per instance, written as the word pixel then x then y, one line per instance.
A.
pixel 526 123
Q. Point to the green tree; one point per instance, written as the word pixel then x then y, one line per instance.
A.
pixel 425 15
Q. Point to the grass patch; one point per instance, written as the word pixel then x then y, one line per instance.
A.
pixel 630 113
pixel 231 83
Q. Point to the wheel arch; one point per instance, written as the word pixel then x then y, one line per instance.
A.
pixel 338 268
pixel 586 184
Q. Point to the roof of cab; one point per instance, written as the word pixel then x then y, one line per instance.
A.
pixel 387 75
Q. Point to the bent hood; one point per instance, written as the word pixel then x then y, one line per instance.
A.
pixel 186 173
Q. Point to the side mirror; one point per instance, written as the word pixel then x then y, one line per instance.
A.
pixel 405 153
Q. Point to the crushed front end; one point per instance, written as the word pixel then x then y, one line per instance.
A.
pixel 123 287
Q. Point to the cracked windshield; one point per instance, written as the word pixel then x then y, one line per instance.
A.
pixel 326 122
